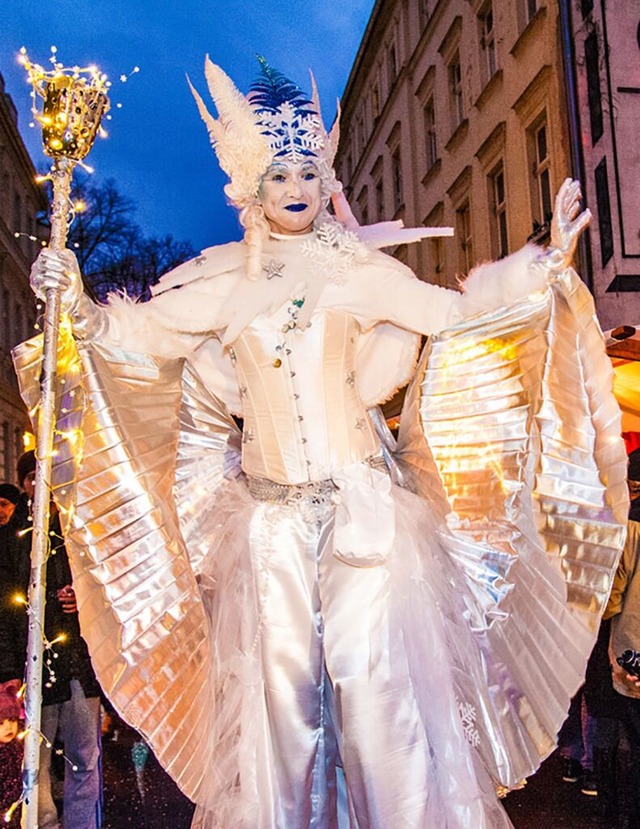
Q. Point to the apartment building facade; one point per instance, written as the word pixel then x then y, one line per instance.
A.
pixel 21 202
pixel 471 113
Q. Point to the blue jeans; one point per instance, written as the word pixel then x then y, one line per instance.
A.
pixel 77 722
pixel 576 735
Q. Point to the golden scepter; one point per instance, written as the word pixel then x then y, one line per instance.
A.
pixel 74 101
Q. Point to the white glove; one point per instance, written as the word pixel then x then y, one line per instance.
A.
pixel 57 269
pixel 567 225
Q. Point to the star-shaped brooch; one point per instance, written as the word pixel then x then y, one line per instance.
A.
pixel 273 269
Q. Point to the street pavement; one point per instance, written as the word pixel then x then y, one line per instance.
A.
pixel 546 802
pixel 139 795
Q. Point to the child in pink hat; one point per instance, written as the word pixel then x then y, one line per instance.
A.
pixel 11 749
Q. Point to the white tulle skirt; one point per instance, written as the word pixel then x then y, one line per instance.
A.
pixel 325 671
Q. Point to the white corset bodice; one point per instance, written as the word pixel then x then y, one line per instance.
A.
pixel 303 417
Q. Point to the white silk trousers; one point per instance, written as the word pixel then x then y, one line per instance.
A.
pixel 327 657
pixel 319 663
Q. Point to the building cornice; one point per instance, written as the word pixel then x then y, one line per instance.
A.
pixel 381 12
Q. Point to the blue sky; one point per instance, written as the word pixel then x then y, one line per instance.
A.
pixel 158 149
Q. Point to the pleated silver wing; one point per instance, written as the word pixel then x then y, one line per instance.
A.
pixel 511 431
pixel 132 431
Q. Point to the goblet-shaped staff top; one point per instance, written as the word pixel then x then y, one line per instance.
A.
pixel 74 101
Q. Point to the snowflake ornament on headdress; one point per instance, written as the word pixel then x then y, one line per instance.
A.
pixel 275 121
pixel 287 118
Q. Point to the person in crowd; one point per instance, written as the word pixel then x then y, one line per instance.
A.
pixel 11 750
pixel 329 629
pixel 575 742
pixel 624 611
pixel 70 693
pixel 9 496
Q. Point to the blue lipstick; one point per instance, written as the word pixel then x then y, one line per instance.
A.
pixel 296 208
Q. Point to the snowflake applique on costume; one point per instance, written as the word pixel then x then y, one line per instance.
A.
pixel 332 253
pixel 293 133
pixel 467 713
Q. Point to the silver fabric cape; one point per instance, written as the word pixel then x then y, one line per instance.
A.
pixel 510 432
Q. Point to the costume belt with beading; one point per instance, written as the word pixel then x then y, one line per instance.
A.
pixel 318 493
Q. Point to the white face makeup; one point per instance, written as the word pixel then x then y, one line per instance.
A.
pixel 290 195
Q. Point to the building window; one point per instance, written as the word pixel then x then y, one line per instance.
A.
pixel 424 10
pixel 586 7
pixel 5 202
pixel 430 133
pixel 541 172
pixel 401 254
pixel 375 102
pixel 465 240
pixel 5 460
pixel 604 212
pixel 487 43
pixel 363 206
pixel 436 252
pixel 593 87
pixel 17 213
pixel 527 10
pixel 361 138
pixel 456 102
pixel 18 324
pixel 6 321
pixel 392 63
pixel 498 212
pixel 379 192
pixel 396 175
pixel 18 448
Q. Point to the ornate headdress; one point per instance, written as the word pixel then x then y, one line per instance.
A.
pixel 276 120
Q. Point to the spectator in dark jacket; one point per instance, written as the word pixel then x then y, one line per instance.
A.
pixel 624 611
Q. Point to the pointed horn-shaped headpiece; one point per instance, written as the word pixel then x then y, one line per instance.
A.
pixel 332 138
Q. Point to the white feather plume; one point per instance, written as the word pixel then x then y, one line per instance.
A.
pixel 243 152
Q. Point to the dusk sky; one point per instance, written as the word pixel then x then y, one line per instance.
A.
pixel 158 149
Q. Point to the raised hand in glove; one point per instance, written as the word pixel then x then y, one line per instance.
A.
pixel 57 269
pixel 567 224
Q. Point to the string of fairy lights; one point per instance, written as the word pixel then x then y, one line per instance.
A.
pixel 50 655
pixel 74 101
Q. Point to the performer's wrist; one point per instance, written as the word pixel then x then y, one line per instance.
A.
pixel 553 259
pixel 90 321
